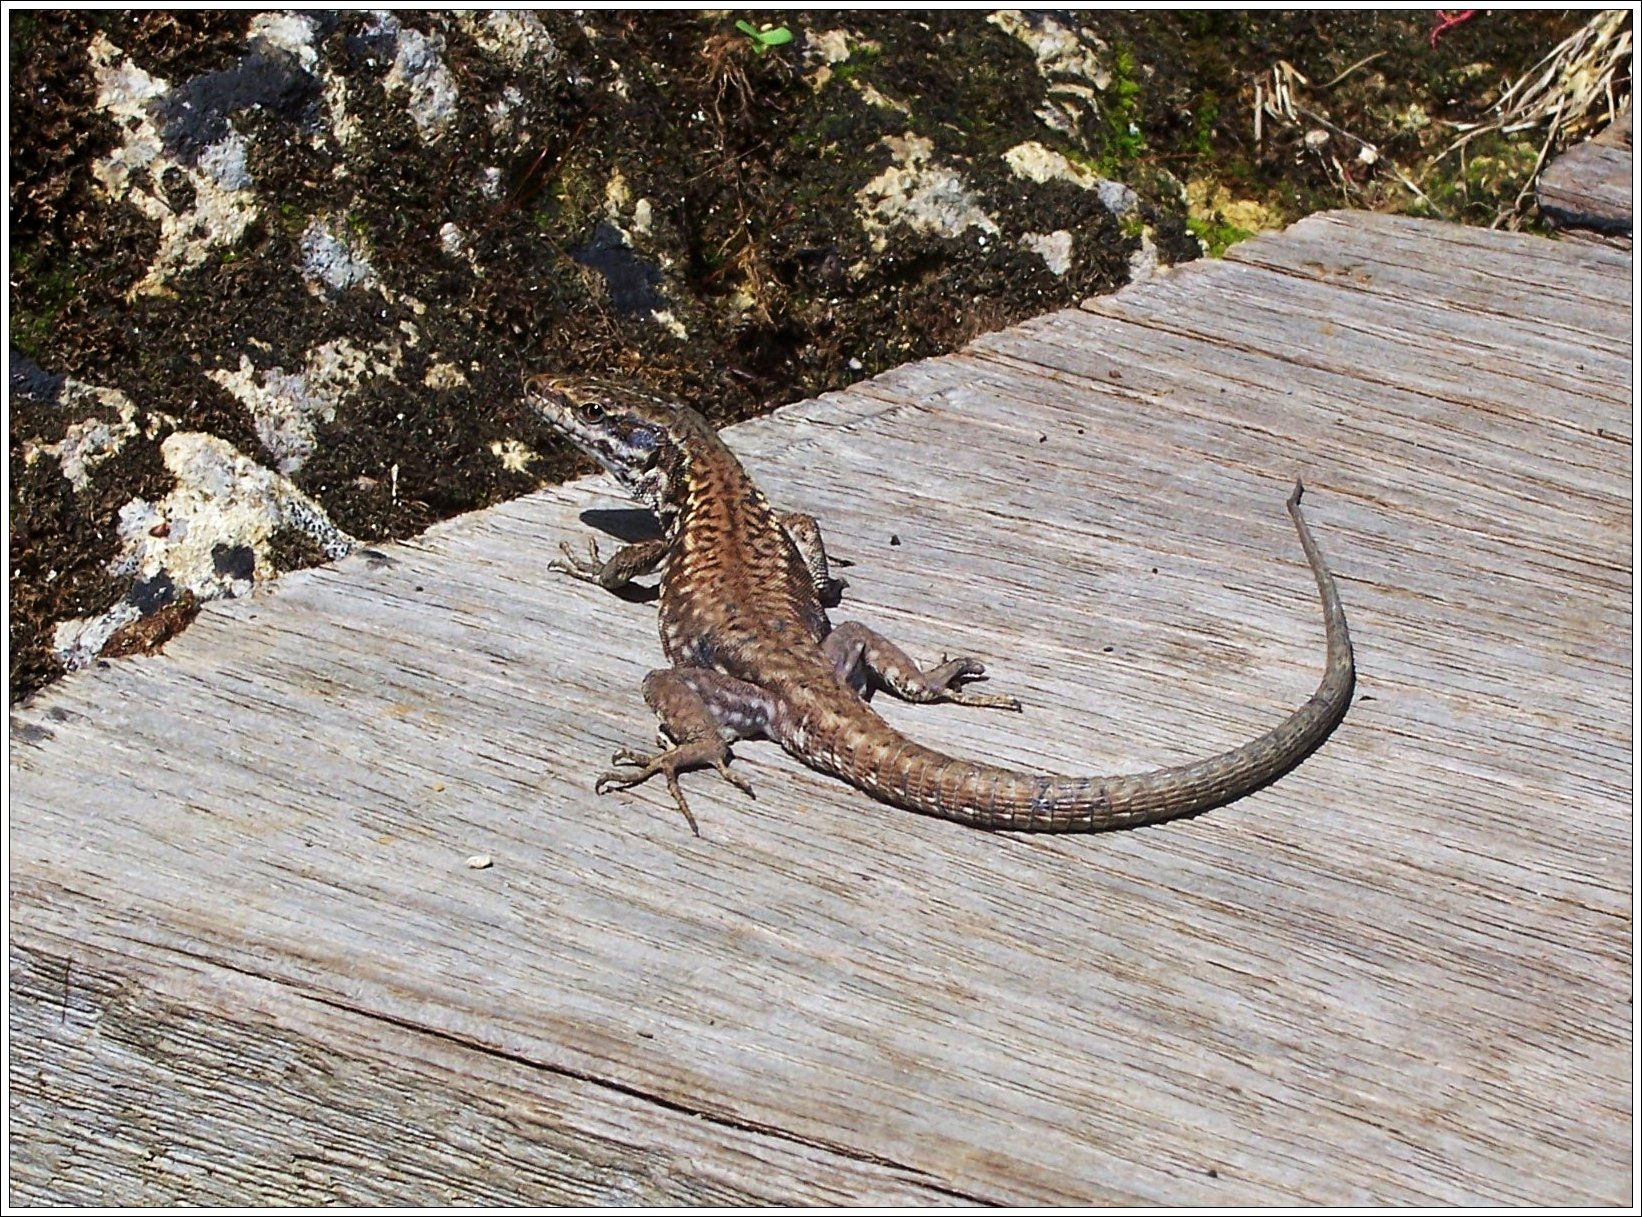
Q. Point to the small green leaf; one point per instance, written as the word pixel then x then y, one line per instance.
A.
pixel 763 40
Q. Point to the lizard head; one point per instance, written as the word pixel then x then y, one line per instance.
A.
pixel 642 439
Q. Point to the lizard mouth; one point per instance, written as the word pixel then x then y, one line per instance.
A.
pixel 581 410
pixel 559 401
pixel 553 400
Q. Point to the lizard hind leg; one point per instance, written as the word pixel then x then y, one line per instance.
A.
pixel 701 712
pixel 858 654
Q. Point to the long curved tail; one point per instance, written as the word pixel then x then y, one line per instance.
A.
pixel 899 771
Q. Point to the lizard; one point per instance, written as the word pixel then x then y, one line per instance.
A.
pixel 753 653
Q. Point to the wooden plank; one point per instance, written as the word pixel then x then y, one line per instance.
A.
pixel 1461 269
pixel 170 1086
pixel 1398 975
pixel 1588 189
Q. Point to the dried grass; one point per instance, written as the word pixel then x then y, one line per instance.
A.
pixel 1571 91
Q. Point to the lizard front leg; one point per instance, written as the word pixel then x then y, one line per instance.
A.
pixel 805 534
pixel 701 712
pixel 857 652
pixel 620 569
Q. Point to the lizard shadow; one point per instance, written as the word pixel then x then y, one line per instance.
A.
pixel 627 525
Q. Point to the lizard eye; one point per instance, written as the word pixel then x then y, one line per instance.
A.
pixel 589 411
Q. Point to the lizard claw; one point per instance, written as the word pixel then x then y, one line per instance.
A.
pixel 586 569
pixel 735 779
pixel 668 763
pixel 630 756
pixel 951 676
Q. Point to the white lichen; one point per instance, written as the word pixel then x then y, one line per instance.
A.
pixel 515 456
pixel 873 97
pixel 79 640
pixel 420 74
pixel 516 38
pixel 292 32
pixel 501 113
pixel 1061 50
pixel 286 408
pixel 1035 163
pixel 1070 59
pixel 1055 248
pixel 334 259
pixel 444 376
pixel 93 439
pixel 824 48
pixel 222 499
pixel 223 204
pixel 664 317
pixel 452 240
pixel 625 213
pixel 918 193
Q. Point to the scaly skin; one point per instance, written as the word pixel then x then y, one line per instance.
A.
pixel 754 655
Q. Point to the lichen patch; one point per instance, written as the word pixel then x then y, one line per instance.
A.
pixel 210 537
pixel 223 203
pixel 290 32
pixel 516 457
pixel 518 39
pixel 915 191
pixel 420 74
pixel 335 259
pixel 1061 50
pixel 287 407
pixel 1055 248
pixel 93 439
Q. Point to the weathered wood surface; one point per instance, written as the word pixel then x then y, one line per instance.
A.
pixel 250 965
pixel 1587 191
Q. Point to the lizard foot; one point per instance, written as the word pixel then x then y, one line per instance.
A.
pixel 947 683
pixel 701 752
pixel 586 569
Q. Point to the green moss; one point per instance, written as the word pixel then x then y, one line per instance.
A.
pixel 571 201
pixel 1204 118
pixel 43 292
pixel 861 59
pixel 1216 235
pixel 1125 143
pixel 292 220
pixel 1480 185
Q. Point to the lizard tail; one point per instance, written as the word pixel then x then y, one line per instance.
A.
pixel 921 779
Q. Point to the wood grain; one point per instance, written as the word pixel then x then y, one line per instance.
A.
pixel 1588 190
pixel 250 964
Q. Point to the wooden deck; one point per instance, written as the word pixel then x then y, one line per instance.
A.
pixel 1586 192
pixel 250 963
